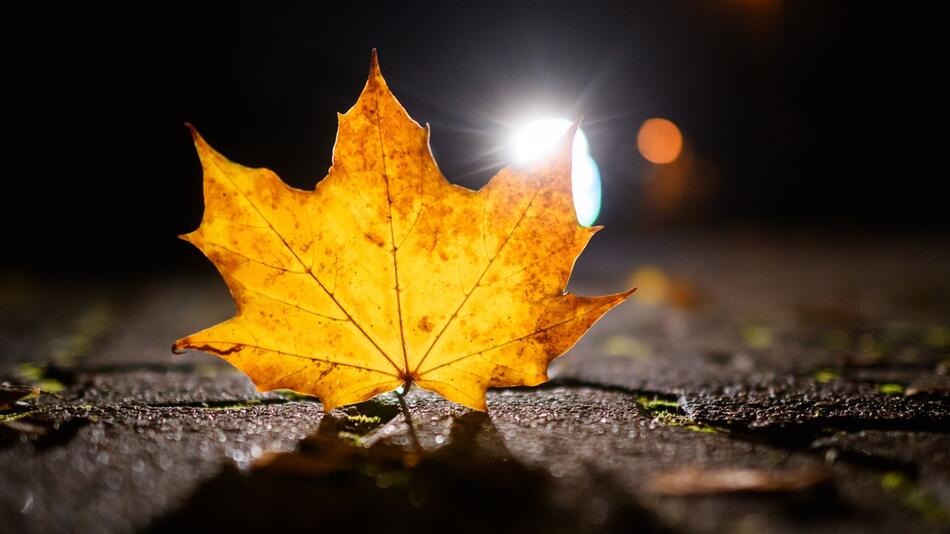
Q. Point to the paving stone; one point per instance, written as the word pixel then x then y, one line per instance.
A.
pixel 772 356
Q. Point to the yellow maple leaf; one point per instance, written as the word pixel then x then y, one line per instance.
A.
pixel 386 275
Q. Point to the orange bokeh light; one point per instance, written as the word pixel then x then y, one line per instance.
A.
pixel 659 141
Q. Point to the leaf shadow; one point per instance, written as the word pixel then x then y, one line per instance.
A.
pixel 472 484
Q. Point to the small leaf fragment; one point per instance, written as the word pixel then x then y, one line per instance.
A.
pixel 10 394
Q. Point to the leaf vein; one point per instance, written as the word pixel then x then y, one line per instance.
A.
pixel 304 356
pixel 311 273
pixel 477 282
pixel 517 339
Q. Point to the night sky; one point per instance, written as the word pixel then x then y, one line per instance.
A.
pixel 811 115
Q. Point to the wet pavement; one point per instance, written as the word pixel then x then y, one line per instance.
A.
pixel 753 385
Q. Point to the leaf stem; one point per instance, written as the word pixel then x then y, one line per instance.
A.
pixel 405 413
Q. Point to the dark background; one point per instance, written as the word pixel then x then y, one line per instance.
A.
pixel 807 115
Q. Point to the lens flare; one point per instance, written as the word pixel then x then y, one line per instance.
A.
pixel 538 137
pixel 659 141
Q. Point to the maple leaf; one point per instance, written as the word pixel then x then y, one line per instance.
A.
pixel 387 275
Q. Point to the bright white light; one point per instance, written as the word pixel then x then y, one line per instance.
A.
pixel 538 137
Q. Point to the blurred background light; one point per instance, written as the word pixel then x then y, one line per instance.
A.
pixel 537 137
pixel 659 141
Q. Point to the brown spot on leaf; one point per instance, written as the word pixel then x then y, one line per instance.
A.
pixel 425 324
